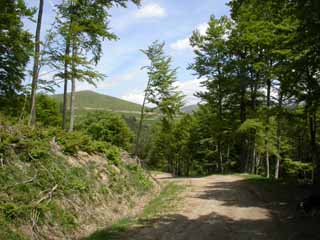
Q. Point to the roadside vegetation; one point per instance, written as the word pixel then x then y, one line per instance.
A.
pixel 166 202
pixel 46 182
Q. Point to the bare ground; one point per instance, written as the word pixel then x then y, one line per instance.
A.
pixel 229 207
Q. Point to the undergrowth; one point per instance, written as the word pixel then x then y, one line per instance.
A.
pixel 35 182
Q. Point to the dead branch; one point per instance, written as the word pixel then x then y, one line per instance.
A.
pixel 48 196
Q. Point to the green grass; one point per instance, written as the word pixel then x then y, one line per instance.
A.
pixel 254 178
pixel 165 202
pixel 30 171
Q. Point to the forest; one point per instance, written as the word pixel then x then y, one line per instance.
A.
pixel 258 112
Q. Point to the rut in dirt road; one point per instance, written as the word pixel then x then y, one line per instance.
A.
pixel 216 207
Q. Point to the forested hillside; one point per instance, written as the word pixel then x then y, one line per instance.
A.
pixel 74 163
pixel 91 101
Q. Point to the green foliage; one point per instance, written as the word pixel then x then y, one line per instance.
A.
pixel 257 128
pixel 7 233
pixel 30 170
pixel 138 179
pixel 108 127
pixel 16 46
pixel 48 112
pixel 296 170
pixel 168 100
pixel 161 90
pixel 72 142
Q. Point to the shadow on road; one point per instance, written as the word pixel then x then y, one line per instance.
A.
pixel 241 196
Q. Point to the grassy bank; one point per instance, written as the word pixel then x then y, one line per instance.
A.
pixel 165 202
pixel 60 185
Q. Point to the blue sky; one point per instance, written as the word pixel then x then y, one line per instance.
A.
pixel 164 20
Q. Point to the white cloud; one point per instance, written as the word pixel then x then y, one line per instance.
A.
pixel 135 96
pixel 183 44
pixel 151 10
pixel 202 28
pixel 188 88
pixel 109 81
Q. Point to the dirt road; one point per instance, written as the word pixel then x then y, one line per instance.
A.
pixel 224 207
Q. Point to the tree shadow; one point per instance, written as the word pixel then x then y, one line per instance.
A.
pixel 283 222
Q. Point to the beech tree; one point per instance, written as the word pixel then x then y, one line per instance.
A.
pixel 162 93
pixel 15 49
pixel 35 74
pixel 81 27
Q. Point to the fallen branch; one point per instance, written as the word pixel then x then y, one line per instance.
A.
pixel 48 196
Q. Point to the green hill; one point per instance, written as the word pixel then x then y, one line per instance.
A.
pixel 90 101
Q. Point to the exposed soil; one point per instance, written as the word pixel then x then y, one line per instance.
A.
pixel 229 207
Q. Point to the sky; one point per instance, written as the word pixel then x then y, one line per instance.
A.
pixel 137 27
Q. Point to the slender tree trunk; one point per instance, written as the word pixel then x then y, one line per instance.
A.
pixel 243 137
pixel 243 146
pixel 220 131
pixel 141 119
pixel 73 86
pixel 65 92
pixel 254 160
pixel 267 128
pixel 228 152
pixel 258 164
pixel 276 174
pixel 35 75
pixel 220 156
pixel 254 153
pixel 313 143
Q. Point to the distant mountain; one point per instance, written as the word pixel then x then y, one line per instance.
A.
pixel 89 100
pixel 190 108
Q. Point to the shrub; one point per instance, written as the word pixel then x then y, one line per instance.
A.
pixel 108 127
pixel 296 170
pixel 72 142
pixel 48 111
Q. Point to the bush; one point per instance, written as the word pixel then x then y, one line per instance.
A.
pixel 48 112
pixel 108 127
pixel 296 170
pixel 73 142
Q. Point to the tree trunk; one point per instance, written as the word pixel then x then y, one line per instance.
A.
pixel 242 120
pixel 141 119
pixel 267 128
pixel 257 164
pixel 254 153
pixel 313 143
pixel 73 86
pixel 220 157
pixel 65 92
pixel 276 174
pixel 220 130
pixel 35 75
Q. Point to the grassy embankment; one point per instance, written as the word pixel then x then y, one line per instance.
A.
pixel 59 184
pixel 164 203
